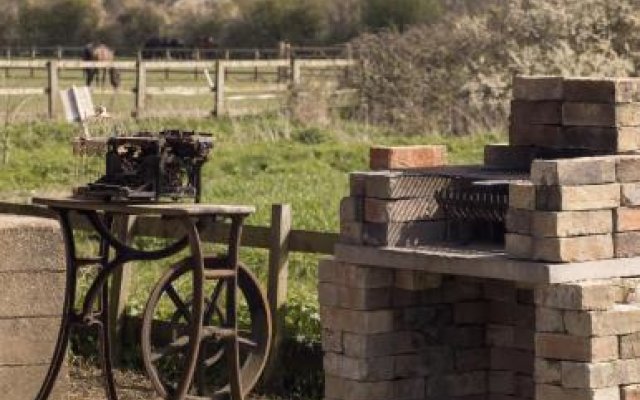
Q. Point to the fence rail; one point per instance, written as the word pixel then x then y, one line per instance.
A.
pixel 286 73
pixel 284 50
pixel 278 238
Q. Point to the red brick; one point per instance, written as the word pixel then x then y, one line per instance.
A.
pixel 407 157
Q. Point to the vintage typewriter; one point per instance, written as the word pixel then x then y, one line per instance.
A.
pixel 151 166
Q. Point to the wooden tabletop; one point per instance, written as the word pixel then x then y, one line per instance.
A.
pixel 144 208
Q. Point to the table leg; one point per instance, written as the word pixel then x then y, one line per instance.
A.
pixel 105 345
pixel 68 315
pixel 197 313
pixel 233 347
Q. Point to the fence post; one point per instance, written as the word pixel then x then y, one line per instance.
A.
pixel 278 274
pixel 296 72
pixel 120 287
pixel 220 74
pixel 53 88
pixel 141 88
pixel 59 53
pixel 7 74
pixel 33 57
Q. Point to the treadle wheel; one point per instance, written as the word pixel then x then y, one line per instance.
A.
pixel 164 343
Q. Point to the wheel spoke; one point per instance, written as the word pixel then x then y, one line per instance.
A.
pixel 177 301
pixel 171 348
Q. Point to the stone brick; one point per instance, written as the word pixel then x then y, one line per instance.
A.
pixel 584 375
pixel 537 88
pixel 404 234
pixel 409 366
pixel 547 371
pixel 600 139
pixel 503 359
pixel 519 221
pixel 627 219
pixel 623 319
pixel 359 369
pixel 518 246
pixel 630 194
pixel 23 382
pixel 27 341
pixel 385 211
pixel 502 382
pixel 627 244
pixel 574 171
pixel 509 156
pixel 630 345
pixel 364 299
pixel 536 112
pixel 549 320
pixel 465 336
pixel 502 312
pixel 500 335
pixel 472 359
pixel 628 371
pixel 594 114
pixel 524 339
pixel 352 209
pixel 577 198
pixel 357 184
pixel 365 322
pixel 522 195
pixel 591 295
pixel 354 276
pixel 549 392
pixel 404 185
pixel 328 294
pixel 571 223
pixel 628 169
pixel 407 157
pixel 351 232
pixel 599 90
pixel 417 280
pixel 500 291
pixel 524 134
pixel 631 392
pixel 457 385
pixel 437 360
pixel 574 348
pixel 30 244
pixel 31 294
pixel 525 387
pixel 341 388
pixel 573 249
pixel 470 313
pixel 332 341
pixel 385 344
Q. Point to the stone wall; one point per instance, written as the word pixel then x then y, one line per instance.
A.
pixel 32 282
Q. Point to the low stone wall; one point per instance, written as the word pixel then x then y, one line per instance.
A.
pixel 32 281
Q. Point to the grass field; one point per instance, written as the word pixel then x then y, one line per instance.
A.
pixel 257 161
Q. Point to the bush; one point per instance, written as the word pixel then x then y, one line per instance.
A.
pixel 455 76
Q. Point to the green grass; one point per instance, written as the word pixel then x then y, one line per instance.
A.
pixel 257 161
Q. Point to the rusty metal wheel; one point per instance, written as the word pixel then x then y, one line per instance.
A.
pixel 166 326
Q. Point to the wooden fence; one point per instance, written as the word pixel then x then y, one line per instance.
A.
pixel 289 80
pixel 279 239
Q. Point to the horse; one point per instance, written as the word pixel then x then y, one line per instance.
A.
pixel 100 52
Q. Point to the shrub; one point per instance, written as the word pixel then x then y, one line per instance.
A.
pixel 455 76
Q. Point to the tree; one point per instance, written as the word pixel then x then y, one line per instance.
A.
pixel 399 14
pixel 60 22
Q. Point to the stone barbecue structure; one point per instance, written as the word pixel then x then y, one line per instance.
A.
pixel 518 279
